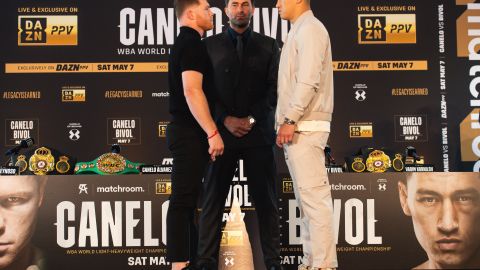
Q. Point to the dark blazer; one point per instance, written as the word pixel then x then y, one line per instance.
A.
pixel 252 81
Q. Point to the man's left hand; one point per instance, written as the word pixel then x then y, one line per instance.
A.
pixel 285 134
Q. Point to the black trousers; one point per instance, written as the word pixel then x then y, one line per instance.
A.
pixel 260 170
pixel 189 148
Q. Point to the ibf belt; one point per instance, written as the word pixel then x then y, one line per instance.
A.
pixel 378 161
pixel 41 162
pixel 107 164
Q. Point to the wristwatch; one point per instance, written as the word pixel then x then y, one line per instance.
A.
pixel 251 120
pixel 288 121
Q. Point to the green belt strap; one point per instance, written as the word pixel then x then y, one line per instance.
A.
pixel 107 164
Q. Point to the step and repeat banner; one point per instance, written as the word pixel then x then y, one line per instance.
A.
pixel 80 76
pixel 382 221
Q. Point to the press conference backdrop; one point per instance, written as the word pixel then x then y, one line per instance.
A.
pixel 82 75
pixel 119 222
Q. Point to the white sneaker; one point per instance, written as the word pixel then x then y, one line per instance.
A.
pixel 303 267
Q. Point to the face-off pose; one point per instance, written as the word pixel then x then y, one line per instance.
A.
pixel 303 116
pixel 192 135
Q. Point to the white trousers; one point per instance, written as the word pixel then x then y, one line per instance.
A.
pixel 305 159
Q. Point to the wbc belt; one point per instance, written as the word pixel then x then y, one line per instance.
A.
pixel 107 164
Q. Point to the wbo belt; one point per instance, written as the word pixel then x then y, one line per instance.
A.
pixel 43 161
pixel 108 163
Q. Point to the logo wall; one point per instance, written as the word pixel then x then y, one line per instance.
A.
pixel 17 130
pixel 124 131
pixel 411 128
pixel 74 131
pixel 386 28
pixel 47 26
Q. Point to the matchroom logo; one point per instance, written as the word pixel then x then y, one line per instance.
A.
pixel 387 29
pixel 470 138
pixel 48 30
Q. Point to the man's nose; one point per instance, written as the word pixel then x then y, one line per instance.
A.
pixel 448 220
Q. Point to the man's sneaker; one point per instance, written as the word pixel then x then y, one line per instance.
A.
pixel 303 267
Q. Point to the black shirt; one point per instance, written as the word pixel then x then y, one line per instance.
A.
pixel 245 36
pixel 188 54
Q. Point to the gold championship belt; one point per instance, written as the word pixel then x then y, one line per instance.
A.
pixel 42 162
pixel 108 164
pixel 375 161
pixel 378 161
pixel 397 163
pixel 358 165
pixel 21 163
pixel 111 163
pixel 62 166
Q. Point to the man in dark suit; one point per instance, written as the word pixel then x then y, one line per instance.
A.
pixel 245 74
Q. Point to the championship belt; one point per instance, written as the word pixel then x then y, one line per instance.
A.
pixel 368 159
pixel 397 163
pixel 358 165
pixel 62 166
pixel 378 161
pixel 108 164
pixel 45 160
pixel 21 163
pixel 42 162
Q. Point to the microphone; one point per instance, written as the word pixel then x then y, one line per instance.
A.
pixel 115 149
pixel 23 144
pixel 412 152
pixel 328 150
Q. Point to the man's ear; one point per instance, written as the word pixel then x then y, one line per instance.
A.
pixel 402 194
pixel 190 14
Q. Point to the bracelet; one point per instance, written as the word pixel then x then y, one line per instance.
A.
pixel 213 135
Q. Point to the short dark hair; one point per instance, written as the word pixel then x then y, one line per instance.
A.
pixel 228 1
pixel 181 5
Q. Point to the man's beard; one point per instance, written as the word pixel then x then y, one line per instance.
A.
pixel 241 24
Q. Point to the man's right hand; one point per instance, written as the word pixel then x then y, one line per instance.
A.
pixel 239 127
pixel 216 146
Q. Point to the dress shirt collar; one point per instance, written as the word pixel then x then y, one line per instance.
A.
pixel 233 35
